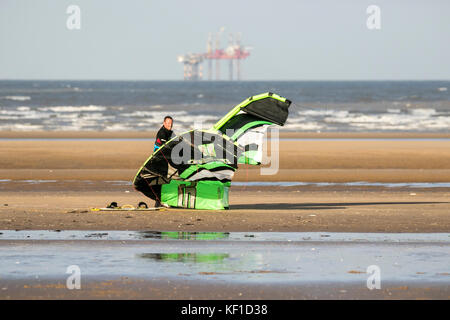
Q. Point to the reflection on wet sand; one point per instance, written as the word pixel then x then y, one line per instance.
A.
pixel 182 235
pixel 185 257
pixel 272 259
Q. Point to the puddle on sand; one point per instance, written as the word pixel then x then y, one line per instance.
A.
pixel 222 236
pixel 175 235
pixel 185 257
pixel 236 257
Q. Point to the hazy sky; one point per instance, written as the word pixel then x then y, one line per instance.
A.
pixel 291 39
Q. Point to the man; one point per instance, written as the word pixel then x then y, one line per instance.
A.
pixel 164 134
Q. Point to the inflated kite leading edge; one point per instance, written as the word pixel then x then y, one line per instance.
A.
pixel 195 169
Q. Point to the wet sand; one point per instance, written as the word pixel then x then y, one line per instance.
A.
pixel 151 265
pixel 126 288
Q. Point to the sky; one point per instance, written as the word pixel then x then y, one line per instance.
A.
pixel 290 39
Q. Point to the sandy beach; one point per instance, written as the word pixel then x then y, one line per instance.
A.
pixel 283 209
pixel 51 181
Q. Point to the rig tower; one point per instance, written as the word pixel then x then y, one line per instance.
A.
pixel 234 53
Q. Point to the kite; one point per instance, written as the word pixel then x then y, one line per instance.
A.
pixel 194 169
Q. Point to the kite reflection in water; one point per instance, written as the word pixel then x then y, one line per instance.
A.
pixel 183 235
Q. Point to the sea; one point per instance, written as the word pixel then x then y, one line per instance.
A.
pixel 317 106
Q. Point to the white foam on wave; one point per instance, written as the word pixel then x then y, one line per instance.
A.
pixel 153 114
pixel 72 127
pixel 297 120
pixel 96 116
pixel 118 127
pixel 17 98
pixel 422 112
pixel 75 122
pixel 89 108
pixel 21 113
pixel 393 119
pixel 305 126
pixel 21 127
pixel 406 124
pixel 365 118
pixel 81 122
pixel 154 119
pixel 436 123
pixel 320 113
pixel 68 116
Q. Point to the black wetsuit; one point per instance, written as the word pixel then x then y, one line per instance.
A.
pixel 162 137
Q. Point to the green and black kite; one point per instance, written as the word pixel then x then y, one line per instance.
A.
pixel 195 169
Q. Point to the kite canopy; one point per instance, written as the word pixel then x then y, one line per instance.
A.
pixel 248 122
pixel 195 169
pixel 195 155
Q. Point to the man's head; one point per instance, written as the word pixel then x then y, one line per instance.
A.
pixel 168 121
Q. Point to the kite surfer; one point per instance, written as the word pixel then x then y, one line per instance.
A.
pixel 164 134
pixel 203 178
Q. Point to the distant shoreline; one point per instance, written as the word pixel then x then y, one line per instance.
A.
pixel 152 134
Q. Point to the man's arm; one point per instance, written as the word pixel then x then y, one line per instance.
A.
pixel 161 138
pixel 158 141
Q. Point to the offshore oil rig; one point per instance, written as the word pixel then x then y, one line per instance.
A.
pixel 234 53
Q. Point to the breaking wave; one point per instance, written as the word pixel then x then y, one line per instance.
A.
pixel 16 98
